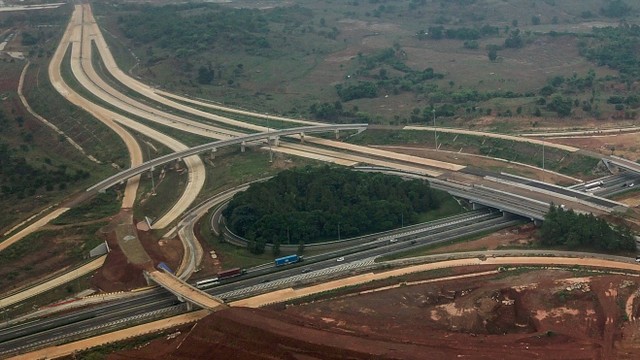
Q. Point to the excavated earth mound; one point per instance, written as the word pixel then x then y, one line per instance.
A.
pixel 539 314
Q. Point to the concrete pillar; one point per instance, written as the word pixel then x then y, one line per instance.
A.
pixel 337 132
pixel 178 164
pixel 242 146
pixel 537 222
pixel 302 137
pixel 189 306
pixel 148 279
pixel 213 153
pixel 476 206
pixel 506 215
pixel 276 141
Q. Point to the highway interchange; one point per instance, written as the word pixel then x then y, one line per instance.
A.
pixel 524 197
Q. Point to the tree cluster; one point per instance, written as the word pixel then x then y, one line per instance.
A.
pixel 567 228
pixel 460 33
pixel 616 8
pixel 174 27
pixel 19 178
pixel 314 204
pixel 616 47
pixel 357 91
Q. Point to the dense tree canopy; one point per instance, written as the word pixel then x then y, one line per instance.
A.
pixel 312 204
pixel 567 228
pixel 616 47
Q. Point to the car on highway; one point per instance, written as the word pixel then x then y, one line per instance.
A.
pixel 638 259
pixel 340 259
pixel 393 240
pixel 304 271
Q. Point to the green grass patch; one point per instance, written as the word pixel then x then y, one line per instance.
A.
pixel 100 206
pixel 57 294
pixel 66 246
pixel 167 192
pixel 448 207
pixel 554 159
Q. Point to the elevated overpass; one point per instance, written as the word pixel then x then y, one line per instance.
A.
pixel 213 146
pixel 626 164
pixel 527 201
pixel 184 291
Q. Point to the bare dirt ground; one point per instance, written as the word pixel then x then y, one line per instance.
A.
pixel 550 314
pixel 517 236
pixel 480 162
pixel 119 274
pixel 624 145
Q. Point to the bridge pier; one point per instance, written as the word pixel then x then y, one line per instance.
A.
pixel 243 146
pixel 276 141
pixel 337 132
pixel 476 206
pixel 302 137
pixel 537 222
pixel 212 155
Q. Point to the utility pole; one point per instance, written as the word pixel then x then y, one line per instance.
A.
pixel 543 170
pixel 435 131
pixel 269 140
pixel 153 185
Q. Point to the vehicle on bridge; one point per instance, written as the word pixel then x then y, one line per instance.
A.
pixel 203 284
pixel 231 273
pixel 286 260
pixel 165 267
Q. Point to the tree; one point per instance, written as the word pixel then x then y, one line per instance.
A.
pixel 205 75
pixel 560 105
pixel 275 248
pixel 535 20
pixel 493 54
pixel 616 8
pixel 514 40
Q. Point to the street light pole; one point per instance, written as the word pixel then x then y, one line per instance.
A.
pixel 435 131
pixel 543 170
pixel 269 140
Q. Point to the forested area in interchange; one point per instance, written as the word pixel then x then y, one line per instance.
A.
pixel 314 204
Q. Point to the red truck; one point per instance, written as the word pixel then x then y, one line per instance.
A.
pixel 231 273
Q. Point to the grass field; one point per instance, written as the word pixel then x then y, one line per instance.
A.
pixel 303 64
pixel 556 160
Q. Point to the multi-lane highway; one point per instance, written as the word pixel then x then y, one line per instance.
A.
pixel 512 194
pixel 157 301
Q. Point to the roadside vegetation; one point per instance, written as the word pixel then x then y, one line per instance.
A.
pixel 530 154
pixel 44 252
pixel 574 231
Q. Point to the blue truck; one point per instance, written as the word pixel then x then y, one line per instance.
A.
pixel 286 260
pixel 165 267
